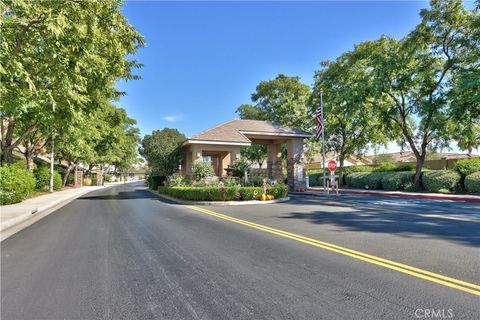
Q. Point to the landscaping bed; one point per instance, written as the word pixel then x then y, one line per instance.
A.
pixel 214 193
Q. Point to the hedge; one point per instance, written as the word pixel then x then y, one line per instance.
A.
pixel 467 166
pixel 472 182
pixel 440 179
pixel 42 175
pixel 365 180
pixel 228 193
pixel 388 166
pixel 314 179
pixel 355 179
pixel 15 184
pixel 379 180
pixel 397 180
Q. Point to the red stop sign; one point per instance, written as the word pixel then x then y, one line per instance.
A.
pixel 332 166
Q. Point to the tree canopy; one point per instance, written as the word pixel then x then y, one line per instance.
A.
pixel 59 61
pixel 283 100
pixel 163 151
pixel 414 79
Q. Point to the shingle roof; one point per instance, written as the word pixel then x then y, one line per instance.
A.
pixel 236 130
pixel 409 156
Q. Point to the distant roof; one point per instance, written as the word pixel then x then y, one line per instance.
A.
pixel 409 156
pixel 236 131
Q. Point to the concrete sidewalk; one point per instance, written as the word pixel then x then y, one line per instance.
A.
pixel 14 214
pixel 418 195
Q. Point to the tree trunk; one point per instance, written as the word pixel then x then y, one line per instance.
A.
pixel 67 172
pixel 418 169
pixel 29 157
pixel 7 142
pixel 7 145
pixel 340 173
pixel 8 155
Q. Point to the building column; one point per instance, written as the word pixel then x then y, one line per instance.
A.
pixel 226 160
pixel 295 169
pixel 274 161
pixel 193 154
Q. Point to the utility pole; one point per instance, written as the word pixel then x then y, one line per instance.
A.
pixel 323 140
pixel 52 155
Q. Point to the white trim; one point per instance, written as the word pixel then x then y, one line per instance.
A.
pixel 300 135
pixel 193 141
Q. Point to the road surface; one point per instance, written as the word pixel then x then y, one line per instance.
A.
pixel 123 253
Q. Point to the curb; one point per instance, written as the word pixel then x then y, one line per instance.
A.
pixel 218 203
pixel 404 195
pixel 6 228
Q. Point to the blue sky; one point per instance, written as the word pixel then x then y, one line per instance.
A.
pixel 204 59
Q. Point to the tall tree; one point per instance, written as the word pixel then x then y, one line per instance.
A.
pixel 256 153
pixel 350 124
pixel 163 150
pixel 62 56
pixel 283 100
pixel 412 77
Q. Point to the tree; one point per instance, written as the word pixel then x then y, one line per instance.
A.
pixel 383 158
pixel 59 55
pixel 247 111
pixel 283 100
pixel 163 150
pixel 412 78
pixel 350 124
pixel 108 136
pixel 256 153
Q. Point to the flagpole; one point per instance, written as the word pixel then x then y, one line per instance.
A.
pixel 323 140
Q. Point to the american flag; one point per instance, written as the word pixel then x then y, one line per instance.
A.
pixel 319 118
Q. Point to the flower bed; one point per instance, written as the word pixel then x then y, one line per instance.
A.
pixel 223 194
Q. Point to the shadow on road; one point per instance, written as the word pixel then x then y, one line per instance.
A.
pixel 404 225
pixel 122 195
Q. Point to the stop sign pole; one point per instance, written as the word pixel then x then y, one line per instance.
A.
pixel 332 166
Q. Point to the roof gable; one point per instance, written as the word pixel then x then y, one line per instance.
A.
pixel 236 131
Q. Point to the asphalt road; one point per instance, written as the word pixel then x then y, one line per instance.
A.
pixel 123 253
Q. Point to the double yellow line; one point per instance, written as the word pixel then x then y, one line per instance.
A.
pixel 403 268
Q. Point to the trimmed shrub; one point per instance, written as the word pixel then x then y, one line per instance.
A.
pixel 365 180
pixel 397 180
pixel 42 176
pixel 235 181
pixel 177 180
pixel 388 167
pixel 316 179
pixel 440 179
pixel 472 182
pixel 222 194
pixel 15 184
pixel 107 178
pixel 201 170
pixel 467 166
pixel 412 187
pixel 384 167
pixel 238 168
pixel 356 179
pixel 373 180
pixel 353 169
